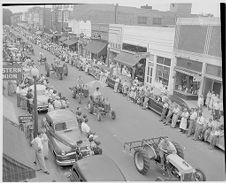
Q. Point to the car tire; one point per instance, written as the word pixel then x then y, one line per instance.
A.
pixel 141 161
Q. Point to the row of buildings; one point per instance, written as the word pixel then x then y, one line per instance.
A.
pixel 174 48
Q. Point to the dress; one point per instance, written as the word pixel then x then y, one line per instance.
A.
pixel 183 123
pixel 45 145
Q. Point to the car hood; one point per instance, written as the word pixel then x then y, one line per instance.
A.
pixel 71 137
pixel 42 99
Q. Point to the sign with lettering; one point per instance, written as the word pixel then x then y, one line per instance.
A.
pixel 25 119
pixel 12 72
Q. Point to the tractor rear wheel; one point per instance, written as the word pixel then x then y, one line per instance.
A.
pixel 141 161
pixel 199 175
pixel 179 149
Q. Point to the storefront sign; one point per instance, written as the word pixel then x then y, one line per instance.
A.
pixel 12 72
pixel 189 64
pixel 25 119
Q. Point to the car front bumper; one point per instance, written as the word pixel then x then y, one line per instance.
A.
pixel 42 108
pixel 65 162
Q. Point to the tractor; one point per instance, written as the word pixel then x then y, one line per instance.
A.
pixel 177 169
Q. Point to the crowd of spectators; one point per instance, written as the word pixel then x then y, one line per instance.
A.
pixel 190 121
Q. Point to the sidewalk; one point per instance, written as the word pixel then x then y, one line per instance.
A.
pixel 56 173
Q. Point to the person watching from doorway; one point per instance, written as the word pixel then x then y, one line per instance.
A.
pixel 165 148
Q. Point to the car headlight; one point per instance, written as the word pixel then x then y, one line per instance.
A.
pixel 63 153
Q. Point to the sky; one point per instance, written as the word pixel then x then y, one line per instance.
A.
pixel 198 6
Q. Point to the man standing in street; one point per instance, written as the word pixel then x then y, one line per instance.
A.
pixel 39 157
pixel 199 126
pixel 192 122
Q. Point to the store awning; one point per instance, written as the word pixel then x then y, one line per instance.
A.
pixel 71 41
pixel 128 59
pixel 17 155
pixel 97 47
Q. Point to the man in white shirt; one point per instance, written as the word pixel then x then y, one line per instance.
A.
pixel 96 93
pixel 192 121
pixel 39 157
pixel 85 128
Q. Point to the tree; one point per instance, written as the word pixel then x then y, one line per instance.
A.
pixel 7 16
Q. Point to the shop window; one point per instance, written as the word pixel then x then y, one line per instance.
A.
pixel 214 70
pixel 157 21
pixel 142 20
pixel 162 74
pixel 164 61
pixel 149 74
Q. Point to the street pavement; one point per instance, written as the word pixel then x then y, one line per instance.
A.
pixel 133 123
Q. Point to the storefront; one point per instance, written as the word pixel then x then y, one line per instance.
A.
pixel 97 49
pixel 187 78
pixel 213 80
pixel 131 65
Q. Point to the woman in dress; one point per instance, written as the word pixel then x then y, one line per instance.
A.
pixel 45 140
pixel 184 121
pixel 208 96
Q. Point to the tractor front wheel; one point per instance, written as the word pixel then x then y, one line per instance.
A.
pixel 142 161
pixel 199 175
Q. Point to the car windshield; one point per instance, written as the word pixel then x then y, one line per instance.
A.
pixel 60 126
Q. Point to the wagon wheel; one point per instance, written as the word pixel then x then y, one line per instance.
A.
pixel 141 161
pixel 199 175
pixel 99 116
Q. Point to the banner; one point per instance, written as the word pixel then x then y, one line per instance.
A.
pixel 12 72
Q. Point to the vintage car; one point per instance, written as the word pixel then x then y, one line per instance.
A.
pixel 96 168
pixel 66 141
pixel 42 98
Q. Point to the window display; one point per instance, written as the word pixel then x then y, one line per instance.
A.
pixel 187 83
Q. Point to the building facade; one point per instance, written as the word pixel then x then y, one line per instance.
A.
pixel 115 14
pixel 115 40
pixel 197 50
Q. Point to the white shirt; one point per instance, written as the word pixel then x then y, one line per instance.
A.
pixel 201 120
pixel 37 143
pixel 193 115
pixel 85 128
pixel 96 94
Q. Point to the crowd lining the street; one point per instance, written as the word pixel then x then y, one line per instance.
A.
pixel 190 121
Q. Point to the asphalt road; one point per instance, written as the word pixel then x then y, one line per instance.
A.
pixel 133 123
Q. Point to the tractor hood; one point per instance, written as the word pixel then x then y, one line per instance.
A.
pixel 179 163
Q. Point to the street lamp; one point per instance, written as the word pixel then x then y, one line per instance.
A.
pixel 35 74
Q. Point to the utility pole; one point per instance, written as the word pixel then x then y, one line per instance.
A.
pixel 116 7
